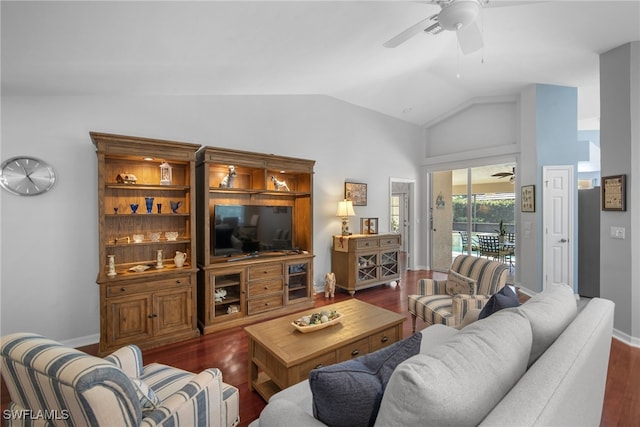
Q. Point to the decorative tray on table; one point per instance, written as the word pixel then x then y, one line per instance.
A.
pixel 317 321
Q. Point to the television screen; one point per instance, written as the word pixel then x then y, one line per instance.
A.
pixel 239 229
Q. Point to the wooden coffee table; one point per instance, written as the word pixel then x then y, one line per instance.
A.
pixel 280 355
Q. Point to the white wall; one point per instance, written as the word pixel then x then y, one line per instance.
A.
pixel 49 243
pixel 620 154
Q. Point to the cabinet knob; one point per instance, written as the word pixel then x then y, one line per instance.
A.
pixel 178 282
pixel 266 304
pixel 266 288
pixel 122 289
pixel 355 352
pixel 384 339
pixel 152 315
pixel 318 366
pixel 265 272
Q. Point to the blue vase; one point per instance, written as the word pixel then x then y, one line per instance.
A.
pixel 149 202
pixel 175 206
pixel 134 207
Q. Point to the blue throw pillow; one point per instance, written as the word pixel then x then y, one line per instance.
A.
pixel 504 298
pixel 348 394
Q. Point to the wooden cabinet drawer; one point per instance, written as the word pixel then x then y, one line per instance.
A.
pixel 266 271
pixel 353 350
pixel 264 287
pixel 318 362
pixel 389 241
pixel 367 243
pixel 265 304
pixel 384 338
pixel 134 288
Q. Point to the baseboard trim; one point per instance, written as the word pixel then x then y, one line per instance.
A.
pixel 81 341
pixel 626 338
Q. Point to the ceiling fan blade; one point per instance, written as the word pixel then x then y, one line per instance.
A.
pixel 409 32
pixel 470 38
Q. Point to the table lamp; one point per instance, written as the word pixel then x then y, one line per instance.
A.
pixel 345 210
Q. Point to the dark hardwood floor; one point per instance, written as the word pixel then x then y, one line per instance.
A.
pixel 227 350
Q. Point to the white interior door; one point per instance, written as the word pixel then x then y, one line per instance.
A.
pixel 557 218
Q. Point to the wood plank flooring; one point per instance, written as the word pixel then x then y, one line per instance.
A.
pixel 227 350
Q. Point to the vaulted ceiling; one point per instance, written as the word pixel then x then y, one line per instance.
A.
pixel 332 48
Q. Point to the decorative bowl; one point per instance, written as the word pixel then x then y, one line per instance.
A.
pixel 154 237
pixel 171 235
pixel 301 325
pixel 138 238
pixel 139 268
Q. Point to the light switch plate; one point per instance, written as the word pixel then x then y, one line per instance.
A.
pixel 617 232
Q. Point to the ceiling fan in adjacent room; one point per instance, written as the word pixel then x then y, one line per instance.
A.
pixel 511 175
pixel 455 15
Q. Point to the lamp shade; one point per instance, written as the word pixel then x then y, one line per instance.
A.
pixel 345 208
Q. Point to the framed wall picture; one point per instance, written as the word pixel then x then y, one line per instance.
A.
pixel 356 192
pixel 614 193
pixel 368 225
pixel 528 198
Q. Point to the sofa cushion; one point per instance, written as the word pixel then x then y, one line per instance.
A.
pixel 504 298
pixel 458 383
pixel 349 393
pixel 549 313
pixel 459 284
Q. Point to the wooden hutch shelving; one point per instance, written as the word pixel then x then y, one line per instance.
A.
pixel 158 305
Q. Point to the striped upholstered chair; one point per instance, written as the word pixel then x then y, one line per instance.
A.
pixel 438 301
pixel 52 385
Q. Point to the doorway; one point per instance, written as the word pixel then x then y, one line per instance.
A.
pixel 469 204
pixel 401 205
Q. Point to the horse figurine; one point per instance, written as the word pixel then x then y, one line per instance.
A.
pixel 329 285
pixel 227 181
pixel 280 185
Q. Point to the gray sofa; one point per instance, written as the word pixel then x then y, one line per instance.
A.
pixel 543 363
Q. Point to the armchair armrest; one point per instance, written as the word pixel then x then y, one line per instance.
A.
pixel 431 287
pixel 199 403
pixel 462 303
pixel 129 359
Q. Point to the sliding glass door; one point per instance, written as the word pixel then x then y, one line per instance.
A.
pixel 467 205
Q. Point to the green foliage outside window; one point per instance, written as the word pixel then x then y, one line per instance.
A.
pixel 485 211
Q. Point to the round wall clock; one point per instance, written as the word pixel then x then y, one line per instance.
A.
pixel 26 176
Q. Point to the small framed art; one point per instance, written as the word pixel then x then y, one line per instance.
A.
pixel 528 198
pixel 356 192
pixel 614 193
pixel 368 225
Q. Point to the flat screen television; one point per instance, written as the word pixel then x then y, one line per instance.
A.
pixel 242 229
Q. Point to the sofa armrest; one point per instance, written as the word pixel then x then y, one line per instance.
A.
pixel 463 303
pixel 283 413
pixel 199 403
pixel 431 287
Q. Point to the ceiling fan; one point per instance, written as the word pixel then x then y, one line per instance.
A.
pixel 511 175
pixel 455 15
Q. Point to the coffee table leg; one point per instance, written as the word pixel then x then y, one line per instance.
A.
pixel 253 368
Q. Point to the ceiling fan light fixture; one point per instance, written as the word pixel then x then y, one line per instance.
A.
pixel 458 14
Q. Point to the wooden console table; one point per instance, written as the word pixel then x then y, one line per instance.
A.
pixel 280 356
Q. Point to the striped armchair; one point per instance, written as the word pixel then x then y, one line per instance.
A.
pixel 434 305
pixel 52 385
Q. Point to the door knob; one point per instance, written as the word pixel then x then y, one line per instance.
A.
pixel 563 240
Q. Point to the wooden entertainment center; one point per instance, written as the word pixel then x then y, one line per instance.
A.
pixel 264 266
pixel 148 187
